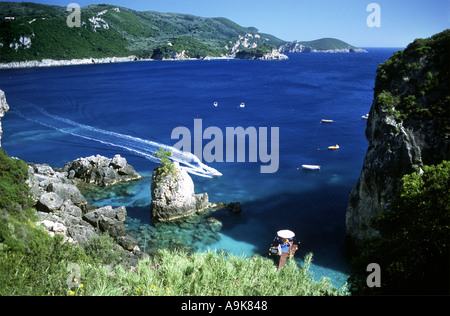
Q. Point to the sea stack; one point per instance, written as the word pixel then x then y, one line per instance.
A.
pixel 173 196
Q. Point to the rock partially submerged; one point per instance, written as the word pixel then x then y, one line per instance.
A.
pixel 100 171
pixel 173 196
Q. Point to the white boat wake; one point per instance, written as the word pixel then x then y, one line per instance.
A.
pixel 141 147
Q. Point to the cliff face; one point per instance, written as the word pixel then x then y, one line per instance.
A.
pixel 408 128
pixel 3 109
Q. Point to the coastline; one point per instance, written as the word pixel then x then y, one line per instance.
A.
pixel 106 60
pixel 132 58
pixel 93 61
pixel 71 62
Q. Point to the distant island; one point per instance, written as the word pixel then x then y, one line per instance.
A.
pixel 38 35
pixel 324 45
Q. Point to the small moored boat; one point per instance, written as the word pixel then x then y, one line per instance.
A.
pixel 242 105
pixel 311 167
pixel 284 245
pixel 326 121
pixel 333 147
pixel 365 117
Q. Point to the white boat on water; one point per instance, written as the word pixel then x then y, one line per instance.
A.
pixel 311 167
pixel 336 147
pixel 242 105
pixel 216 104
pixel 365 117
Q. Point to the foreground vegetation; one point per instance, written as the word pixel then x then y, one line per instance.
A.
pixel 204 274
pixel 413 246
pixel 33 263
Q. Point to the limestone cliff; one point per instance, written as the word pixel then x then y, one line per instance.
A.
pixel 3 109
pixel 408 127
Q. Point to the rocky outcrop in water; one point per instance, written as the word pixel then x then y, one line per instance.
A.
pixel 3 109
pixel 251 55
pixel 408 128
pixel 100 171
pixel 173 196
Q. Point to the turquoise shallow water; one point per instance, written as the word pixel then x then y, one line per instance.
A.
pixel 148 100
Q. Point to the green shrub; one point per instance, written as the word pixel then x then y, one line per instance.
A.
pixel 101 250
pixel 413 247
pixel 258 52
pixel 166 166
pixel 423 68
pixel 13 189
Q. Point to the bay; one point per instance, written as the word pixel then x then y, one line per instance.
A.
pixel 148 100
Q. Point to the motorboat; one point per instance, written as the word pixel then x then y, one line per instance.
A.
pixel 311 167
pixel 333 147
pixel 216 104
pixel 365 117
pixel 242 105
pixel 326 121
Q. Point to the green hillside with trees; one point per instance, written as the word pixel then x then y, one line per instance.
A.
pixel 41 32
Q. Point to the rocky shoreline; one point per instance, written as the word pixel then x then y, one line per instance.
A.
pixel 72 62
pixel 275 55
pixel 110 60
pixel 63 210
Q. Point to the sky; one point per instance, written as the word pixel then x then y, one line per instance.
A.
pixel 401 21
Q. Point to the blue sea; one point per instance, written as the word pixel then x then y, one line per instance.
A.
pixel 63 113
